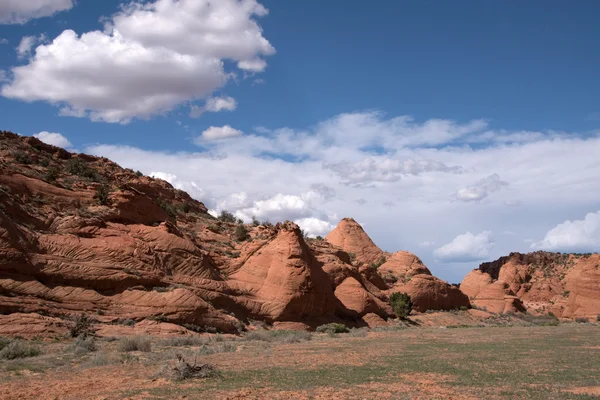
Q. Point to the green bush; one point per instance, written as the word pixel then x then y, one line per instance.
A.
pixel 226 216
pixel 103 195
pixel 18 349
pixel 52 174
pixel 241 233
pixel 84 344
pixel 77 166
pixel 135 343
pixel 332 328
pixel 379 263
pixel 463 308
pixel 401 304
pixel 81 326
pixel 21 157
pixel 169 209
pixel 138 173
pixel 282 336
pixel 255 222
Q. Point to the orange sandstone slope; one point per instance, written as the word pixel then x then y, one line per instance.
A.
pixel 79 234
pixel 398 272
pixel 567 285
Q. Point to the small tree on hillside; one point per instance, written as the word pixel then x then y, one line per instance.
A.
pixel 226 216
pixel 241 233
pixel 401 304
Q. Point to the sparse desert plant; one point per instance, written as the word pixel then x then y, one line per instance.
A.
pixel 598 317
pixel 168 208
pixel 221 348
pixel 135 343
pixel 103 195
pixel 463 308
pixel 282 336
pixel 332 328
pixel 184 371
pixel 84 344
pixel 19 349
pixel 358 332
pixel 401 304
pixel 226 216
pixel 241 233
pixel 582 320
pixel 4 342
pixel 379 263
pixel 52 174
pixel 81 325
pixel 255 222
pixel 21 157
pixel 139 173
pixel 79 167
pixel 187 340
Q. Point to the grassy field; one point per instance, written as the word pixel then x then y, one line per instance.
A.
pixel 547 362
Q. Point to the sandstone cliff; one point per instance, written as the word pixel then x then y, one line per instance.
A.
pixel 567 285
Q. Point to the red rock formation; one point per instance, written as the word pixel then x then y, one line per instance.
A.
pixel 567 285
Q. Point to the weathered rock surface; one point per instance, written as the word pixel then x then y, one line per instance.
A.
pixel 567 285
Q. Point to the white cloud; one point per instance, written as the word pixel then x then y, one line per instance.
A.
pixel 27 43
pixel 314 227
pixel 582 235
pixel 164 176
pixel 426 244
pixel 55 139
pixel 553 175
pixel 3 41
pixel 214 104
pixel 21 11
pixel 481 189
pixel 216 133
pixel 466 247
pixel 385 169
pixel 150 58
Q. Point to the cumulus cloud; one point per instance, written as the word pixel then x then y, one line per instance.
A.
pixel 214 104
pixel 264 166
pixel 370 170
pixel 19 11
pixel 466 247
pixel 53 138
pixel 3 41
pixel 27 43
pixel 314 227
pixel 218 132
pixel 481 189
pixel 150 58
pixel 581 235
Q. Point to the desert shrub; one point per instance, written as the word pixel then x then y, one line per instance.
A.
pixel 401 304
pixel 319 237
pixel 83 344
pixel 81 325
pixel 4 342
pixel 21 157
pixel 103 194
pixel 77 166
pixel 282 336
pixel 168 208
pixel 255 222
pixel 214 228
pixel 126 321
pixel 358 332
pixel 185 207
pixel 332 328
pixel 392 328
pixel 226 216
pixel 463 308
pixel 52 174
pixel 598 317
pixel 241 233
pixel 188 340
pixel 582 320
pixel 352 257
pixel 184 371
pixel 161 289
pixel 138 173
pixel 221 348
pixel 378 263
pixel 135 343
pixel 18 349
pixel 538 320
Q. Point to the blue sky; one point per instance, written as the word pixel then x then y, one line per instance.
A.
pixel 503 98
